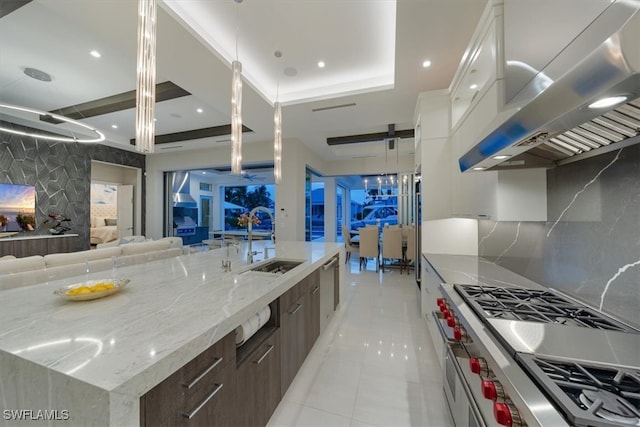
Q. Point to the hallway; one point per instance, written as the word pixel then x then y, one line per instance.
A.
pixel 374 365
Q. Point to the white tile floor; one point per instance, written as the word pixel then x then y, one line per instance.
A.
pixel 373 366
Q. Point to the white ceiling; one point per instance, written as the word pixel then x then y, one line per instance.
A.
pixel 373 50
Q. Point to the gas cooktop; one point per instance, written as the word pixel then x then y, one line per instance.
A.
pixel 588 393
pixel 530 305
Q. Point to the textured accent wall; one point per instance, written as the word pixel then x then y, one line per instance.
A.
pixel 61 173
pixel 590 246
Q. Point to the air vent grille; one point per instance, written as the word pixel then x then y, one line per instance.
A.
pixel 609 128
pixel 534 140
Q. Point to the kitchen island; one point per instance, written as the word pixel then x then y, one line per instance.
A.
pixel 90 362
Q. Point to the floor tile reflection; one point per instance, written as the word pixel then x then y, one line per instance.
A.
pixel 373 366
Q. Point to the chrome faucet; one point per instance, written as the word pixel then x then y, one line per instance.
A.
pixel 250 252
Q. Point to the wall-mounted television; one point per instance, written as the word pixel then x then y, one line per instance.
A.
pixel 17 207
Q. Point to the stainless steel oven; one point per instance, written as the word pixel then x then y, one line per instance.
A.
pixel 463 407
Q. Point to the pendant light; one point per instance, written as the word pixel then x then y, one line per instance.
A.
pixel 277 128
pixel 236 106
pixel 146 76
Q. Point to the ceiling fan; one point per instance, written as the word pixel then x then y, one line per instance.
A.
pixel 252 176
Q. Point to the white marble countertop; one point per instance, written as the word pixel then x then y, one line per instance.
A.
pixel 126 343
pixel 475 270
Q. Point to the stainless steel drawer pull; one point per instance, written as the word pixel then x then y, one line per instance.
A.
pixel 266 353
pixel 330 263
pixel 315 291
pixel 193 382
pixel 295 310
pixel 204 402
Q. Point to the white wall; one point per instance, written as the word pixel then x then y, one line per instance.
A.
pixel 453 236
pixel 330 206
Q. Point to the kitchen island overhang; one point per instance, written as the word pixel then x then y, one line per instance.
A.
pixel 113 350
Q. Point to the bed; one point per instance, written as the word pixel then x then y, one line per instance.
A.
pixel 103 230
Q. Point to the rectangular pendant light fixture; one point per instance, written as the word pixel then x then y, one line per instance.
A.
pixel 146 76
pixel 236 117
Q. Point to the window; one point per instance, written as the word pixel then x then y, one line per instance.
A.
pixel 242 199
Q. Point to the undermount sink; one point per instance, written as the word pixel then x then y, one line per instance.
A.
pixel 277 266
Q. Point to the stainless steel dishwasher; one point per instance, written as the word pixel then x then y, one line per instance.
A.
pixel 327 290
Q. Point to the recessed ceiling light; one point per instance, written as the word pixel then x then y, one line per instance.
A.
pixel 608 102
pixel 95 54
pixel 473 86
pixel 204 173
pixel 114 126
pixel 321 64
pixel 426 64
pixel 479 168
pixel 501 157
pixel 199 110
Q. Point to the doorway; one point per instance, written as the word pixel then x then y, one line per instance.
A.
pixel 206 210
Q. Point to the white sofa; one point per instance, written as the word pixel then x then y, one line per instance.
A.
pixel 16 272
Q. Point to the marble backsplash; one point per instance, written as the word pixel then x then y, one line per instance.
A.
pixel 590 246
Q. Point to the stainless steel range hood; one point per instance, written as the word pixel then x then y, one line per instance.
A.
pixel 557 123
pixel 181 196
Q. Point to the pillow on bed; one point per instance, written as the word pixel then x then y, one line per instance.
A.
pixel 100 221
pixel 111 221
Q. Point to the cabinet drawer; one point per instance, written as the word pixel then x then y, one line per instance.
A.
pixel 187 388
pixel 215 406
pixel 207 363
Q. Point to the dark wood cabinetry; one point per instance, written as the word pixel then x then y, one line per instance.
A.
pixel 229 386
pixel 38 245
pixel 201 391
pixel 258 383
pixel 312 324
pixel 293 308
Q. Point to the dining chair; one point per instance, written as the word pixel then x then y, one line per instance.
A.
pixel 410 252
pixel 392 246
pixel 349 246
pixel 369 246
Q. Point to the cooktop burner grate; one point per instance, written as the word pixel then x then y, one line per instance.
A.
pixel 588 393
pixel 534 306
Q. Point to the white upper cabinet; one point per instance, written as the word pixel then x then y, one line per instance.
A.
pixel 477 103
pixel 480 67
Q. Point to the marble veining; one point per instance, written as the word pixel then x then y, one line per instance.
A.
pixel 579 193
pixel 125 344
pixel 515 240
pixel 487 236
pixel 589 247
pixel 615 276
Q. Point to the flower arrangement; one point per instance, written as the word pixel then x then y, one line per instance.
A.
pixel 243 220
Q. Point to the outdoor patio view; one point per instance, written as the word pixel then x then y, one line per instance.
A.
pixel 242 199
pixel 356 208
pixel 373 206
